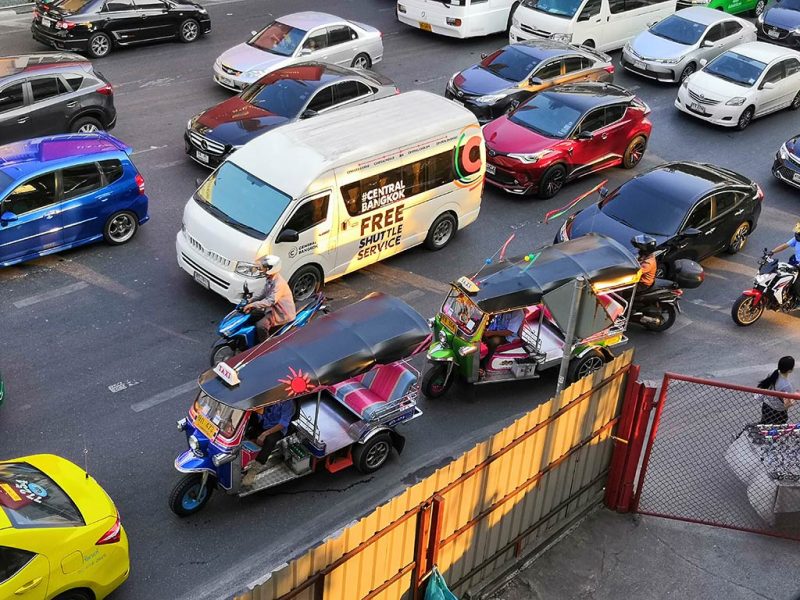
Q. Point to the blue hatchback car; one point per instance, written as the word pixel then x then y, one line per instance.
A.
pixel 63 191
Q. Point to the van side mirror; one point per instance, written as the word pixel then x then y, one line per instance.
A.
pixel 603 192
pixel 287 235
pixel 8 217
pixel 767 85
pixel 691 232
pixel 585 135
pixel 535 81
pixel 309 112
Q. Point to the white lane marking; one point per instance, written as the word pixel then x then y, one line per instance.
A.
pixel 150 149
pixel 122 385
pixel 172 163
pixel 92 277
pixel 413 294
pixel 765 368
pixel 158 82
pixel 179 390
pixel 704 304
pixel 172 332
pixel 49 295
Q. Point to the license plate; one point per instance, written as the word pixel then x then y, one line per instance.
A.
pixel 47 22
pixel 201 279
pixel 225 81
pixel 796 177
pixel 205 426
pixel 201 156
pixel 697 108
pixel 773 33
pixel 425 26
pixel 640 65
pixel 490 169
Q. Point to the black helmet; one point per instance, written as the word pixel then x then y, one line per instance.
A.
pixel 644 243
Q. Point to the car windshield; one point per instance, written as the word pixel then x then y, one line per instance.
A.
pixel 547 115
pixel 462 313
pixel 510 64
pixel 227 419
pixel 644 207
pixel 557 8
pixel 278 38
pixel 679 30
pixel 284 97
pixel 790 4
pixel 736 68
pixel 31 499
pixel 242 201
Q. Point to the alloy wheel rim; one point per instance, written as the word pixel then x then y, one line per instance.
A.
pixel 590 366
pixel 744 120
pixel 88 128
pixel 760 7
pixel 361 62
pixel 191 499
pixel 303 286
pixel 100 45
pixel 555 183
pixel 740 236
pixel 686 72
pixel 796 101
pixel 637 152
pixel 377 454
pixel 747 312
pixel 121 228
pixel 190 30
pixel 442 233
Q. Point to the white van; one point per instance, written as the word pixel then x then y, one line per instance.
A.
pixel 335 193
pixel 457 18
pixel 602 24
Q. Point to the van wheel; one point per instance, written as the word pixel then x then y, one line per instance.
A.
pixel 305 282
pixel 441 232
pixel 552 181
pixel 120 227
pixel 86 125
pixel 511 15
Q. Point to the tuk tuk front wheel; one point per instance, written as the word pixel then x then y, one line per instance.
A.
pixel 373 454
pixel 435 382
pixel 188 497
pixel 585 365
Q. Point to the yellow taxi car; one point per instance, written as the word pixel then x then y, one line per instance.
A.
pixel 60 533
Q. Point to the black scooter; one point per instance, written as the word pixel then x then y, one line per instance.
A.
pixel 657 307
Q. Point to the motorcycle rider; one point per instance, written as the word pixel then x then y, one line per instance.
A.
pixel 794 260
pixel 275 300
pixel 646 246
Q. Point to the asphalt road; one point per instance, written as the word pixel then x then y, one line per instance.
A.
pixel 101 345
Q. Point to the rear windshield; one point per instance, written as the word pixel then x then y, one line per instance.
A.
pixel 510 64
pixel 278 38
pixel 78 6
pixel 31 499
pixel 645 207
pixel 679 30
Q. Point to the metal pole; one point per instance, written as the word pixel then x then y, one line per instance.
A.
pixel 316 412
pixel 569 338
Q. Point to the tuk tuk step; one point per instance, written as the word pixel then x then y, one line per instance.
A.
pixel 274 475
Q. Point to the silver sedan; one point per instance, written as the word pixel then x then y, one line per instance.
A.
pixel 299 37
pixel 673 48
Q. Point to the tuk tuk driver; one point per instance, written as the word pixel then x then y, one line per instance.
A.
pixel 503 329
pixel 273 422
pixel 275 300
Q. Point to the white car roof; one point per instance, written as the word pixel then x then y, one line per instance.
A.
pixel 309 20
pixel 291 157
pixel 705 15
pixel 764 52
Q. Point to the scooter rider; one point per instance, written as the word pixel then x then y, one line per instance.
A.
pixel 275 300
pixel 794 260
pixel 646 245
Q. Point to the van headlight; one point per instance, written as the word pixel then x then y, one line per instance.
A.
pixel 248 269
pixel 561 37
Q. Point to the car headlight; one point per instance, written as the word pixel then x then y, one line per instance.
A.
pixel 685 82
pixel 442 337
pixel 248 269
pixel 783 152
pixel 490 98
pixel 531 158
pixel 736 101
pixel 256 73
pixel 401 8
pixel 561 37
pixel 668 61
pixel 203 11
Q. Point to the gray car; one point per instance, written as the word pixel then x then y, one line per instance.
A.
pixel 673 48
pixel 297 38
pixel 52 92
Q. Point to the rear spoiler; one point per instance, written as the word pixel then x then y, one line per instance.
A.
pixel 117 142
pixel 595 52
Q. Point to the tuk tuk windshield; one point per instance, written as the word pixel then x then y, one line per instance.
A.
pixel 462 312
pixel 227 419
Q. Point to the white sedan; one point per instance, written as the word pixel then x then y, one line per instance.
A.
pixel 747 81
pixel 295 38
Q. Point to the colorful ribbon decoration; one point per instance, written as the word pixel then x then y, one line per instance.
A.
pixel 554 214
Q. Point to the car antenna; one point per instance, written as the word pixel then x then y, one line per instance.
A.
pixel 85 459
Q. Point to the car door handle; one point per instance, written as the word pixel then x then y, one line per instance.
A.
pixel 710 231
pixel 738 212
pixel 326 232
pixel 28 586
pixel 51 214
pixel 72 104
pixel 23 119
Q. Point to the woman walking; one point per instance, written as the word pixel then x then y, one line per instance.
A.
pixel 774 410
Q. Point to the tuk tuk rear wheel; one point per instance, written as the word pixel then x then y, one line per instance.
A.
pixel 373 454
pixel 184 500
pixel 435 382
pixel 585 365
pixel 222 351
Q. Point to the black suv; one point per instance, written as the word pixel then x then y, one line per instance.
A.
pixel 42 94
pixel 97 26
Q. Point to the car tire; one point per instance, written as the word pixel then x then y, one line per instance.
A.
pixel 120 228
pixel 795 102
pixel 758 8
pixel 74 595
pixel 739 238
pixel 511 15
pixel 305 282
pixel 86 125
pixel 745 118
pixel 372 454
pixel 99 45
pixel 687 70
pixel 361 61
pixel 552 181
pixel 441 232
pixel 587 364
pixel 634 152
pixel 188 31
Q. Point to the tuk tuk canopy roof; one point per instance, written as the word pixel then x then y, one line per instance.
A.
pixel 379 329
pixel 516 284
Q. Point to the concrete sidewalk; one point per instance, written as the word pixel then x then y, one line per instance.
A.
pixel 612 557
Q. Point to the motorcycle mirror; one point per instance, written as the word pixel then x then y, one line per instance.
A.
pixel 691 232
pixel 199 181
pixel 603 192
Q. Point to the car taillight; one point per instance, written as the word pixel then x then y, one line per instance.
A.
pixel 65 25
pixel 759 192
pixel 112 536
pixel 609 69
pixel 106 90
pixel 140 183
pixel 396 91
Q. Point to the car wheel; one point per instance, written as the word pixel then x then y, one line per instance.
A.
pixel 373 454
pixel 305 282
pixel 441 232
pixel 634 152
pixel 759 8
pixel 189 31
pixel 688 70
pixel 795 102
pixel 120 227
pixel 745 119
pixel 99 45
pixel 552 181
pixel 511 15
pixel 739 239
pixel 588 43
pixel 361 61
pixel 86 125
pixel 74 595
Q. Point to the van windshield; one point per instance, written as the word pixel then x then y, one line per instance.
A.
pixel 557 8
pixel 242 201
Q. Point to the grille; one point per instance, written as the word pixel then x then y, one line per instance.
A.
pixel 229 70
pixel 702 99
pixel 534 31
pixel 217 258
pixel 794 159
pixel 206 144
pixel 502 177
pixel 217 280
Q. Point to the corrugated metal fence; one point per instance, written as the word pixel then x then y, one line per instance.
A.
pixel 478 515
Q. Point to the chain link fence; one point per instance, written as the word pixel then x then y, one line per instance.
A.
pixel 710 460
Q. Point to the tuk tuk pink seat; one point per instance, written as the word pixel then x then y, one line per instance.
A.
pixel 367 393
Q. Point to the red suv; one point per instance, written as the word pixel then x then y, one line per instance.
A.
pixel 564 133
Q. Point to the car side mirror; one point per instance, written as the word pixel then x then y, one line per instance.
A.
pixel 708 44
pixel 603 192
pixel 767 85
pixel 651 23
pixel 484 56
pixel 585 135
pixel 8 217
pixel 253 32
pixel 199 181
pixel 535 81
pixel 691 232
pixel 304 52
pixel 309 112
pixel 287 235
pixel 703 62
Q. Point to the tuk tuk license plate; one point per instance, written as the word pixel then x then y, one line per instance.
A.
pixel 201 156
pixel 448 322
pixel 425 26
pixel 490 169
pixel 205 426
pixel 202 280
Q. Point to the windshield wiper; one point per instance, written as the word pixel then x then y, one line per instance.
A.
pixel 445 2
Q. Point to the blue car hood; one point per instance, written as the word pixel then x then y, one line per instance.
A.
pixel 478 81
pixel 782 17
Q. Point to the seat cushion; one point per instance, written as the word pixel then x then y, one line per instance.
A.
pixel 361 400
pixel 390 382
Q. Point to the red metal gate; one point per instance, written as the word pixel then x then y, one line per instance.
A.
pixel 708 460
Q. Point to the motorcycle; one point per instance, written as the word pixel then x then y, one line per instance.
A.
pixel 772 289
pixel 237 329
pixel 657 308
